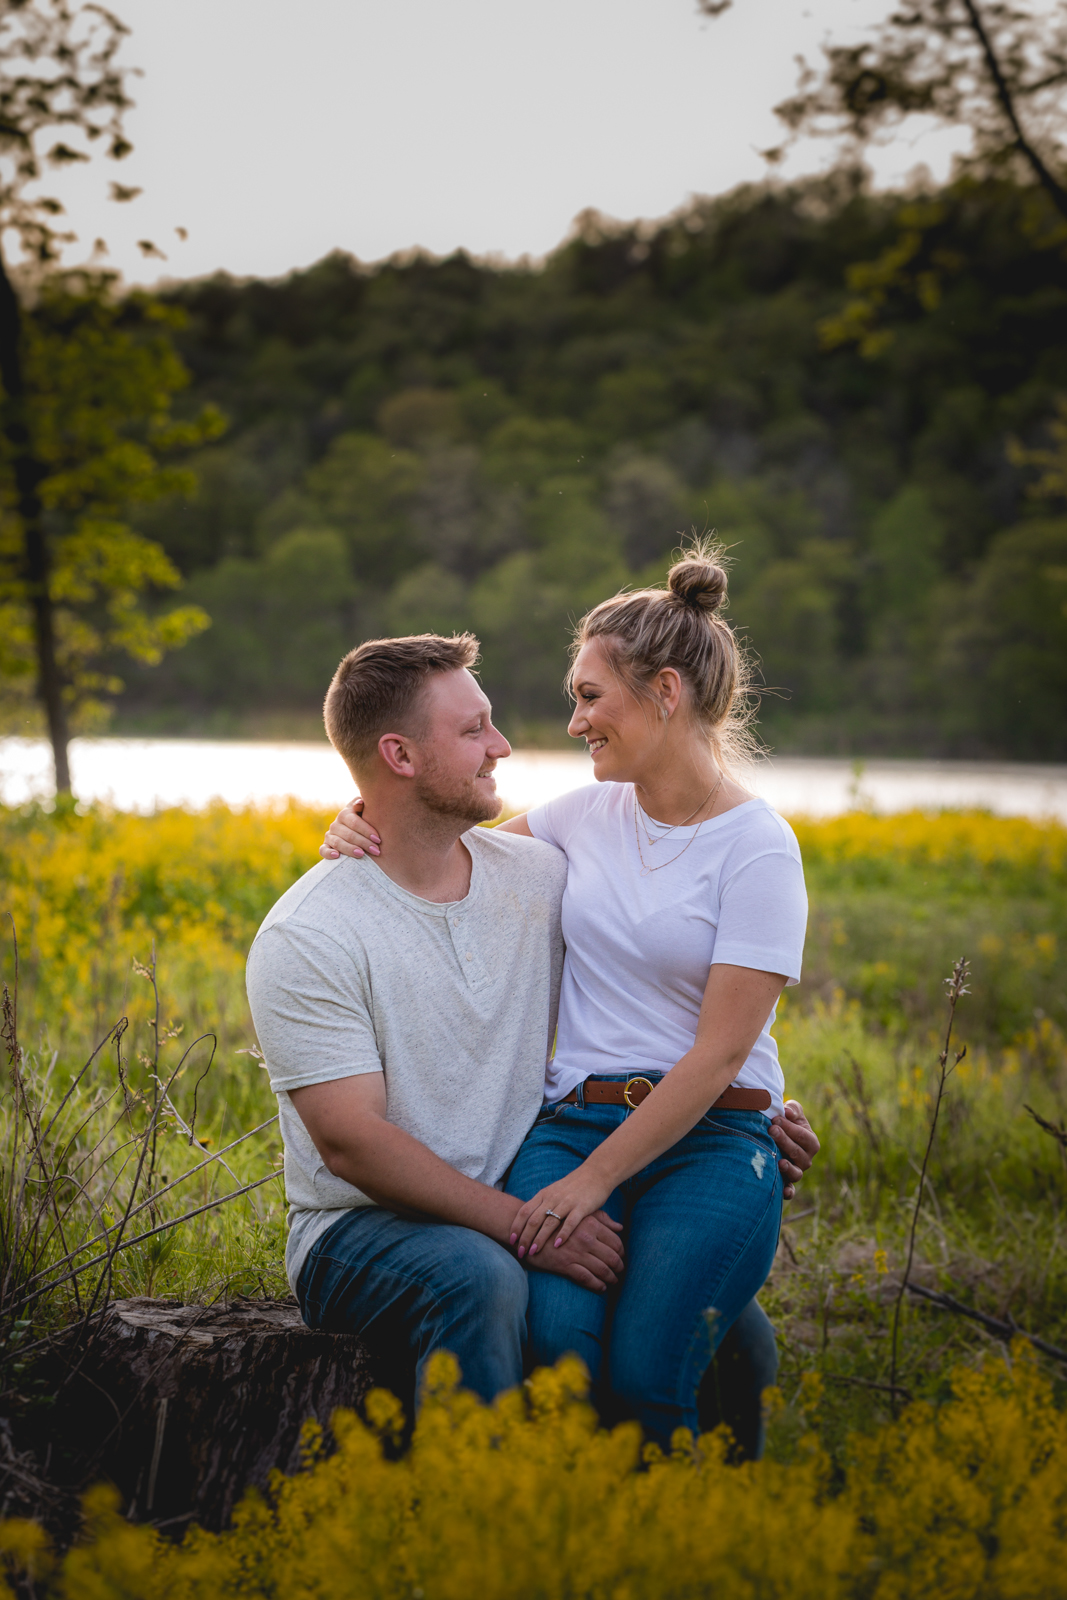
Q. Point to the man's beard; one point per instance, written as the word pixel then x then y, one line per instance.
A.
pixel 457 799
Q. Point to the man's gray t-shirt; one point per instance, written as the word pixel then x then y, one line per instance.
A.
pixel 455 1003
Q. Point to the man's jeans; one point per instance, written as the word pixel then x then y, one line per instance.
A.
pixel 701 1227
pixel 731 1391
pixel 420 1287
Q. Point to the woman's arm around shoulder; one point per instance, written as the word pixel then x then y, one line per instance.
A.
pixel 350 834
pixel 516 825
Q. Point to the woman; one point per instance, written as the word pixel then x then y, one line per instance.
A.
pixel 684 917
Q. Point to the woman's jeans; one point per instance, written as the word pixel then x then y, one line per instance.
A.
pixel 701 1228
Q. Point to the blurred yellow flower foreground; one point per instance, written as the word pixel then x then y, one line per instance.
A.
pixel 530 1499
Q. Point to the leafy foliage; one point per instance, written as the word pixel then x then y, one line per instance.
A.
pixel 101 377
pixel 495 448
pixel 529 1499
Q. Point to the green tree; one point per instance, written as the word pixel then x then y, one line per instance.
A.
pixel 645 506
pixel 364 489
pixel 792 613
pixel 100 375
pixel 1004 652
pixel 855 494
pixel 1003 656
pixel 429 600
pixel 1052 459
pixel 281 625
pixel 85 397
pixel 904 551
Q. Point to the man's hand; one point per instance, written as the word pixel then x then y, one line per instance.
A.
pixel 346 1120
pixel 592 1256
pixel 798 1142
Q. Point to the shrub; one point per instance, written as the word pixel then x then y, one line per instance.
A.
pixel 529 1500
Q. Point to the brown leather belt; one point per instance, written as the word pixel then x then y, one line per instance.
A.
pixel 597 1092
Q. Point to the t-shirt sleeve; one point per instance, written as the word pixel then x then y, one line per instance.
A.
pixel 555 821
pixel 310 1008
pixel 763 916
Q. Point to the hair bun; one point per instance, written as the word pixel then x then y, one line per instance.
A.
pixel 698 582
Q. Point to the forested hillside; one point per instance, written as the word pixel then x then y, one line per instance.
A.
pixel 435 444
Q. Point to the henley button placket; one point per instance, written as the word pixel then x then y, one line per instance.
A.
pixel 470 960
pixel 471 963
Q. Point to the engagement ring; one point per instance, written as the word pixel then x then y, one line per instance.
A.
pixel 554 1214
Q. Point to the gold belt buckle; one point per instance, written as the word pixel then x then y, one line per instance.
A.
pixel 628 1085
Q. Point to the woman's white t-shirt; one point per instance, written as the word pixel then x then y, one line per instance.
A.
pixel 640 944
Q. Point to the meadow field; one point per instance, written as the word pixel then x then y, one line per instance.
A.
pixel 99 899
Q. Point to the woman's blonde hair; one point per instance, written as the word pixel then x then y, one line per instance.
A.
pixel 644 630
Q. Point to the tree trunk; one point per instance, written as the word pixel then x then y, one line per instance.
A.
pixel 185 1407
pixel 36 563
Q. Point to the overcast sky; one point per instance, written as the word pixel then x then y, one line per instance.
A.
pixel 274 132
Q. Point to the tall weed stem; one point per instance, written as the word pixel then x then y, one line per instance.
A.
pixel 957 988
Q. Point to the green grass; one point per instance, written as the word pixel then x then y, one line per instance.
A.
pixel 894 902
pixel 859 1042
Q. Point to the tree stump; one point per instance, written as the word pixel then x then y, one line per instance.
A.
pixel 184 1407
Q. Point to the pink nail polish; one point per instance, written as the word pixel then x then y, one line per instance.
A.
pixel 522 1251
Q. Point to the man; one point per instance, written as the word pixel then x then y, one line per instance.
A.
pixel 406 1008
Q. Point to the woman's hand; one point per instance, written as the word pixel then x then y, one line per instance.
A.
pixel 567 1203
pixel 349 835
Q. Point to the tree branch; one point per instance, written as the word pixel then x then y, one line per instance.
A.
pixel 1055 191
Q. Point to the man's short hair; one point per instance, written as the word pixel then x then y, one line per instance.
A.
pixel 377 685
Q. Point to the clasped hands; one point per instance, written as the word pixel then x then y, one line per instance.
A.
pixel 592 1255
pixel 558 1215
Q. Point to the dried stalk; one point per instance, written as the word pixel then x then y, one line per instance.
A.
pixel 109 1255
pixel 50 1186
pixel 145 1204
pixel 1058 1133
pixel 147 1157
pixel 865 1383
pixel 957 988
pixel 1008 1329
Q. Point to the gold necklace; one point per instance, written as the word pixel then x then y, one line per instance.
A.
pixel 646 870
pixel 670 829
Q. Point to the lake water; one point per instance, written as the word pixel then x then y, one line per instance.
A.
pixel 141 774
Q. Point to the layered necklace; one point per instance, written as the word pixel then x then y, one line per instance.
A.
pixel 646 870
